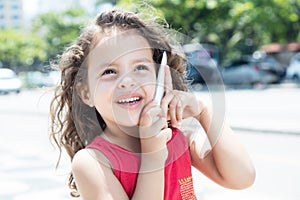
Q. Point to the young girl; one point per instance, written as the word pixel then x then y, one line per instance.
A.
pixel 122 143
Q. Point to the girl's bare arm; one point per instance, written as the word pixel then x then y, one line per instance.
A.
pixel 94 178
pixel 228 163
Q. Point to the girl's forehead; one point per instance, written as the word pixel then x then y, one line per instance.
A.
pixel 129 39
pixel 111 47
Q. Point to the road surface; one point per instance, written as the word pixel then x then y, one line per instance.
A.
pixel 27 159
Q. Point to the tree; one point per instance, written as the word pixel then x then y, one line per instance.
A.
pixel 19 50
pixel 59 29
pixel 237 27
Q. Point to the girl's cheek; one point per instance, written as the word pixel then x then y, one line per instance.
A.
pixel 101 90
pixel 150 91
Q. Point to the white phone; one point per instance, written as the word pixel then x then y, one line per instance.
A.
pixel 160 82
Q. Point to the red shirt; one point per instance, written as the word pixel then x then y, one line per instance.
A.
pixel 178 174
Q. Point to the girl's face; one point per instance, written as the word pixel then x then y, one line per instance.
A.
pixel 121 78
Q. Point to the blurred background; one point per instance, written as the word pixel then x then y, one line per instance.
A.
pixel 253 46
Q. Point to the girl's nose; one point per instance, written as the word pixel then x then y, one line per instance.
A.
pixel 127 82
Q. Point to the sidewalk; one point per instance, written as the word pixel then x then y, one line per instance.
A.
pixel 275 109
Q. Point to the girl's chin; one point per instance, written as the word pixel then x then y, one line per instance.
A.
pixel 129 120
pixel 128 124
pixel 131 129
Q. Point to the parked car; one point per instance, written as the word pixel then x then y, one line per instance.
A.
pixel 39 79
pixel 249 71
pixel 271 65
pixel 201 66
pixel 9 82
pixel 293 70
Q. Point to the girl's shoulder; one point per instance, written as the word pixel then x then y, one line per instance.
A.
pixel 87 158
pixel 94 177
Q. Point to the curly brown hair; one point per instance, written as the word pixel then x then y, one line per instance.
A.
pixel 64 131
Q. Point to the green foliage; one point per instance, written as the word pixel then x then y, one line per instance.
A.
pixel 237 27
pixel 59 29
pixel 20 49
pixel 50 34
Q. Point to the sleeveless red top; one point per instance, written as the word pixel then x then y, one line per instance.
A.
pixel 178 174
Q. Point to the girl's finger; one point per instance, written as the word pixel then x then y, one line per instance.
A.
pixel 173 110
pixel 147 115
pixel 166 134
pixel 166 101
pixel 156 127
pixel 179 112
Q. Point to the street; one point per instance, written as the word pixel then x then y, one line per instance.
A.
pixel 277 163
pixel 267 122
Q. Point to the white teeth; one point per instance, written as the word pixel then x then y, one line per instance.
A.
pixel 129 100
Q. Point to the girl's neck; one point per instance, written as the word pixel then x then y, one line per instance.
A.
pixel 125 137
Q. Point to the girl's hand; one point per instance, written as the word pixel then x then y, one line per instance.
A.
pixel 177 105
pixel 152 128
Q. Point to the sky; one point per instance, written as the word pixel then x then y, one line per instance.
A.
pixel 33 7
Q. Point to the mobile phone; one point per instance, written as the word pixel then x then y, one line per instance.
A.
pixel 160 82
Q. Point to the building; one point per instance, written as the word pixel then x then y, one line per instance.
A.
pixel 11 14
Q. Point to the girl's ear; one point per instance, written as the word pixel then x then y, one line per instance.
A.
pixel 84 94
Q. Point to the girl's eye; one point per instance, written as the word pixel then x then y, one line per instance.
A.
pixel 108 72
pixel 141 67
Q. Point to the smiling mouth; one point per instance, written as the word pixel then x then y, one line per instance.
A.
pixel 131 100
